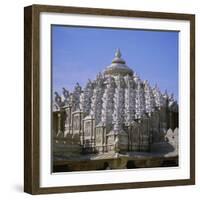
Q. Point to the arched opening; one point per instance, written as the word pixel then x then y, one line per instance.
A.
pixel 106 165
pixel 130 164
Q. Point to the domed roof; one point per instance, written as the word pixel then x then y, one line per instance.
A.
pixel 118 66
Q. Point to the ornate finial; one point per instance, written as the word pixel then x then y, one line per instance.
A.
pixel 172 97
pixel 77 87
pixel 65 92
pixel 65 95
pixel 118 53
pixel 146 82
pixel 57 98
pixel 165 95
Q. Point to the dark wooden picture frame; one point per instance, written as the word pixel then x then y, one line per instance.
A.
pixel 32 96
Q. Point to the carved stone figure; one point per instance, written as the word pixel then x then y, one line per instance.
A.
pixel 58 100
pixel 65 96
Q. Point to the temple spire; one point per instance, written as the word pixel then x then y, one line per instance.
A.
pixel 118 53
pixel 118 66
pixel 117 59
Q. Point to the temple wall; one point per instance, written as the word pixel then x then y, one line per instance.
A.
pixel 137 137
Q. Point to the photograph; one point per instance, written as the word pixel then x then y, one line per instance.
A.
pixel 109 99
pixel 114 98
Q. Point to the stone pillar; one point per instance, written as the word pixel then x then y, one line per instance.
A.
pixel 171 119
pixel 144 136
pixel 77 132
pixel 154 120
pixel 55 123
pixel 60 133
pixel 89 133
pixel 100 139
pixel 68 120
pixel 135 136
pixel 129 138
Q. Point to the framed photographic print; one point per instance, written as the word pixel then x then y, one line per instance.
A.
pixel 109 99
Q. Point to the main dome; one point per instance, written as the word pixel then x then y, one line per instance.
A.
pixel 118 66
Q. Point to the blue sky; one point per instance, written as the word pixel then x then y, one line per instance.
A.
pixel 79 53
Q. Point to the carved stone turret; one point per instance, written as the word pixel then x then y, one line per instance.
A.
pixel 149 99
pixel 107 101
pixel 85 98
pixel 129 100
pixel 117 137
pixel 139 100
pixel 158 97
pixel 76 97
pixel 96 103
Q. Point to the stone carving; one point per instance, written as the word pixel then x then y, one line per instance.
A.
pixel 173 106
pixel 107 101
pixel 75 97
pixel 129 100
pixel 118 67
pixel 158 97
pixel 85 98
pixel 96 103
pixel 116 112
pixel 139 100
pixel 57 101
pixel 149 101
pixel 65 96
